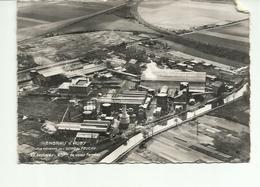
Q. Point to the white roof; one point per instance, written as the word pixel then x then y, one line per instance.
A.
pixel 87 135
pixel 64 85
pixel 171 75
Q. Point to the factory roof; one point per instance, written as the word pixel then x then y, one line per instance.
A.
pixel 121 101
pixel 170 75
pixel 126 97
pixel 49 72
pixel 198 89
pixel 72 126
pixel 87 135
pixel 80 82
pixel 101 123
pixel 133 92
pixel 64 85
pixel 88 69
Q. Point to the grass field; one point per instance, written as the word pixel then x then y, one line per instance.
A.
pixel 179 15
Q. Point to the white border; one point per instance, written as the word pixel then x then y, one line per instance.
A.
pixel 209 175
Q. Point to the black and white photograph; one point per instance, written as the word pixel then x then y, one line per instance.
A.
pixel 133 82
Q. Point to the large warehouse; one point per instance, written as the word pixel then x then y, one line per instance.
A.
pixel 172 79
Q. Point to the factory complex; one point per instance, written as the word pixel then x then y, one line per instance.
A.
pixel 111 99
pixel 104 100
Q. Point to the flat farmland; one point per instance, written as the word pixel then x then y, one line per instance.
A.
pixel 240 29
pixel 232 37
pixel 106 22
pixel 53 12
pixel 22 23
pixel 186 15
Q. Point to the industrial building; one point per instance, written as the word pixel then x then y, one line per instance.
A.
pixel 64 88
pixel 49 76
pixel 59 74
pixel 86 70
pixel 218 88
pixel 86 136
pixel 80 86
pixel 130 98
pixel 162 101
pixel 172 79
pixel 91 126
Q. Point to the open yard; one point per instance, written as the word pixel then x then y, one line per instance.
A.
pixel 72 45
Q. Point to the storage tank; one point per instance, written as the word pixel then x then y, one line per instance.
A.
pixel 133 118
pixel 141 116
pixel 106 108
pixel 90 111
pixel 162 101
pixel 87 114
pixel 90 107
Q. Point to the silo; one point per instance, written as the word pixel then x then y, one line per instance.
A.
pixel 87 114
pixel 162 101
pixel 106 108
pixel 124 120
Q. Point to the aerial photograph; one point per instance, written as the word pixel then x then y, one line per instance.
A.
pixel 132 81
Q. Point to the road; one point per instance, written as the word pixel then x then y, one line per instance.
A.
pixel 171 123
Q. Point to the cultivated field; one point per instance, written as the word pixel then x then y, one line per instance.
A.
pixel 186 14
pixel 237 112
pixel 53 12
pixel 235 36
pixel 240 29
pixel 106 22
pixel 56 11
